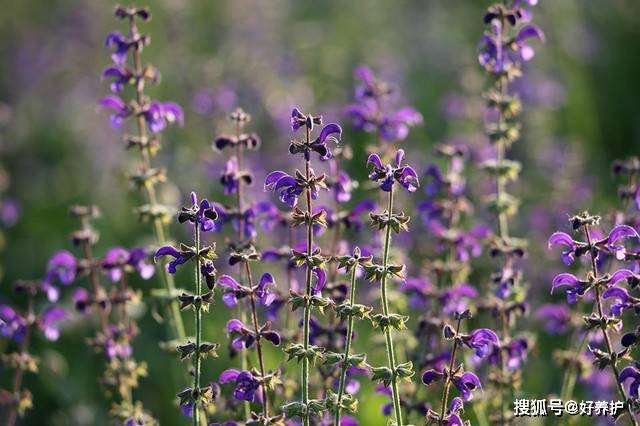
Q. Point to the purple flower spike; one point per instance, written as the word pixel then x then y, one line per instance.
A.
pixel 49 320
pixel 482 340
pixel 406 176
pixel 562 238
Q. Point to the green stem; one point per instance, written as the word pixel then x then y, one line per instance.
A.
pixel 391 357
pixel 307 307
pixel 198 327
pixel 347 348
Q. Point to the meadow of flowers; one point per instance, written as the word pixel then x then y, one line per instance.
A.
pixel 261 213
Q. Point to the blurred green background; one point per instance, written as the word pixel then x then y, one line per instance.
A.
pixel 580 95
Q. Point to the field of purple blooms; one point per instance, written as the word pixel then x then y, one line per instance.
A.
pixel 319 213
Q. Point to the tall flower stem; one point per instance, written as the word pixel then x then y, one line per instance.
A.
pixel 347 348
pixel 198 326
pixel 307 306
pixel 94 279
pixel 256 329
pixel 603 327
pixel 149 189
pixel 447 383
pixel 244 362
pixel 391 357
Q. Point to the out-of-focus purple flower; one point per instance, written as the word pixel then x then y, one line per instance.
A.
pixel 231 176
pixel 81 299
pixel 498 54
pixel 62 267
pixel 515 352
pixel 457 298
pixel 387 174
pixel 12 324
pixel 49 322
pixel 246 384
pixel 482 341
pixel 372 113
pixel 139 261
pixel 117 342
pixel 121 76
pixel 342 187
pixel 556 317
pixel 157 114
pixel 114 262
pixel 120 45
pixel 9 211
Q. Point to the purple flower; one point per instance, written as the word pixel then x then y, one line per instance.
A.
pixel 617 234
pixel 556 317
pixel 577 288
pixel 387 174
pixel 231 176
pixel 563 239
pixel 331 131
pixel 121 76
pixel 139 261
pixel 371 112
pixel 431 376
pixel 49 320
pixel 203 214
pixel 120 45
pixel 631 372
pixel 481 340
pixel 180 257
pixel 342 187
pixel 246 384
pixel 530 31
pixel 156 114
pixel 289 188
pixel 515 352
pixel 81 299
pixel 621 300
pixel 117 342
pixel 466 383
pixel 12 324
pixel 236 291
pixel 114 262
pixel 62 266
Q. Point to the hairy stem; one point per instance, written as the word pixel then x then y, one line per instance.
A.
pixel 391 357
pixel 347 348
pixel 198 326
pixel 605 333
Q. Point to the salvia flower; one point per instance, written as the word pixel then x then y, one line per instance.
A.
pixel 157 115
pixel 234 291
pixel 482 341
pixel 246 384
pixel 388 174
